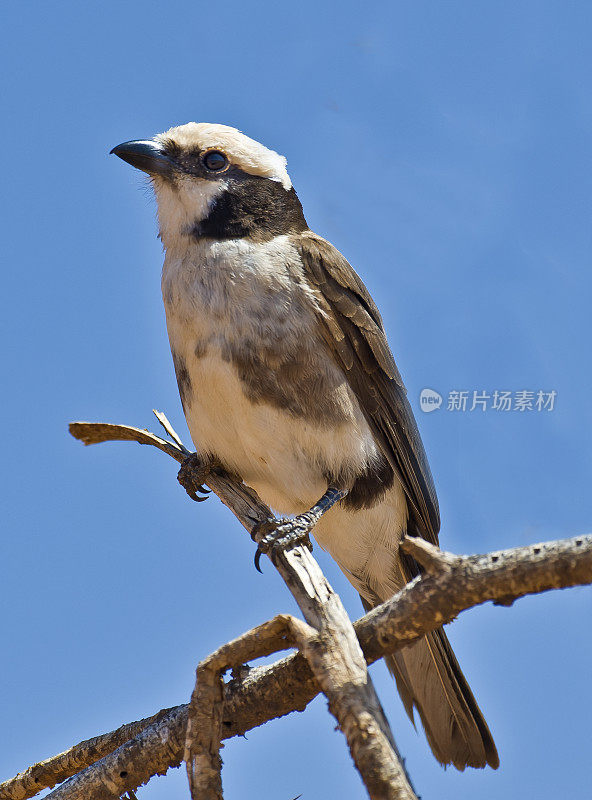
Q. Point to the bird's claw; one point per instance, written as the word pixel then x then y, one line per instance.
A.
pixel 279 535
pixel 193 474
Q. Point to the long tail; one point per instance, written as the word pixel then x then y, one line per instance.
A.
pixel 429 677
pixel 365 544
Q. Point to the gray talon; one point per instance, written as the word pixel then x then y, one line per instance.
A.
pixel 282 534
pixel 193 474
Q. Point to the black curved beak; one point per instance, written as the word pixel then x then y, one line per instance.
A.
pixel 149 156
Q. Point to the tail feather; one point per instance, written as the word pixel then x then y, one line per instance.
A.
pixel 430 679
pixel 365 544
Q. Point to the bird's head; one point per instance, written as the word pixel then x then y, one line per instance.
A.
pixel 213 181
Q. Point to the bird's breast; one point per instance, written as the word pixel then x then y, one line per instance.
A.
pixel 259 388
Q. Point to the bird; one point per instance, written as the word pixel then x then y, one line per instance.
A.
pixel 287 380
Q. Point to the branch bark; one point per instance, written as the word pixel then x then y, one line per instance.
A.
pixel 288 685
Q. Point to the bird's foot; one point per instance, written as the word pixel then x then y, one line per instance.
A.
pixel 282 534
pixel 193 474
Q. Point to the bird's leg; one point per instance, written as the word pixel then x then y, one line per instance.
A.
pixel 280 534
pixel 194 473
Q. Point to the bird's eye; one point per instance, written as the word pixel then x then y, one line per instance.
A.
pixel 215 161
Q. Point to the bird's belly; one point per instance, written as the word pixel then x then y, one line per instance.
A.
pixel 286 458
pixel 365 543
pixel 254 439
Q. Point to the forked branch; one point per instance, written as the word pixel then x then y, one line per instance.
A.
pixel 336 659
pixel 449 585
pixel 288 685
pixel 205 713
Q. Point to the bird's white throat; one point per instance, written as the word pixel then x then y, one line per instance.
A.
pixel 182 205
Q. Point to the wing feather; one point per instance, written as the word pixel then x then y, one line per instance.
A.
pixel 354 332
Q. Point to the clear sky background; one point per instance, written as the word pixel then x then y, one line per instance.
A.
pixel 444 147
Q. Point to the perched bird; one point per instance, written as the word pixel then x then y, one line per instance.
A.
pixel 287 380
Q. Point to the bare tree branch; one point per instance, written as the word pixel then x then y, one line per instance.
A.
pixel 204 722
pixel 462 582
pixel 336 659
pixel 54 770
pixel 451 584
pixel 288 685
pixel 339 667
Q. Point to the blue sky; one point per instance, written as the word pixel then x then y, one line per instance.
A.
pixel 445 149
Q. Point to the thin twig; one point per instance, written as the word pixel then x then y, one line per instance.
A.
pixel 431 558
pixel 170 431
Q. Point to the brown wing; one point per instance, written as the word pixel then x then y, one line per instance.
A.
pixel 353 330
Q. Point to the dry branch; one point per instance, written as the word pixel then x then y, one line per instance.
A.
pixel 54 770
pixel 204 718
pixel 335 656
pixel 288 685
pixel 449 585
pixel 339 666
